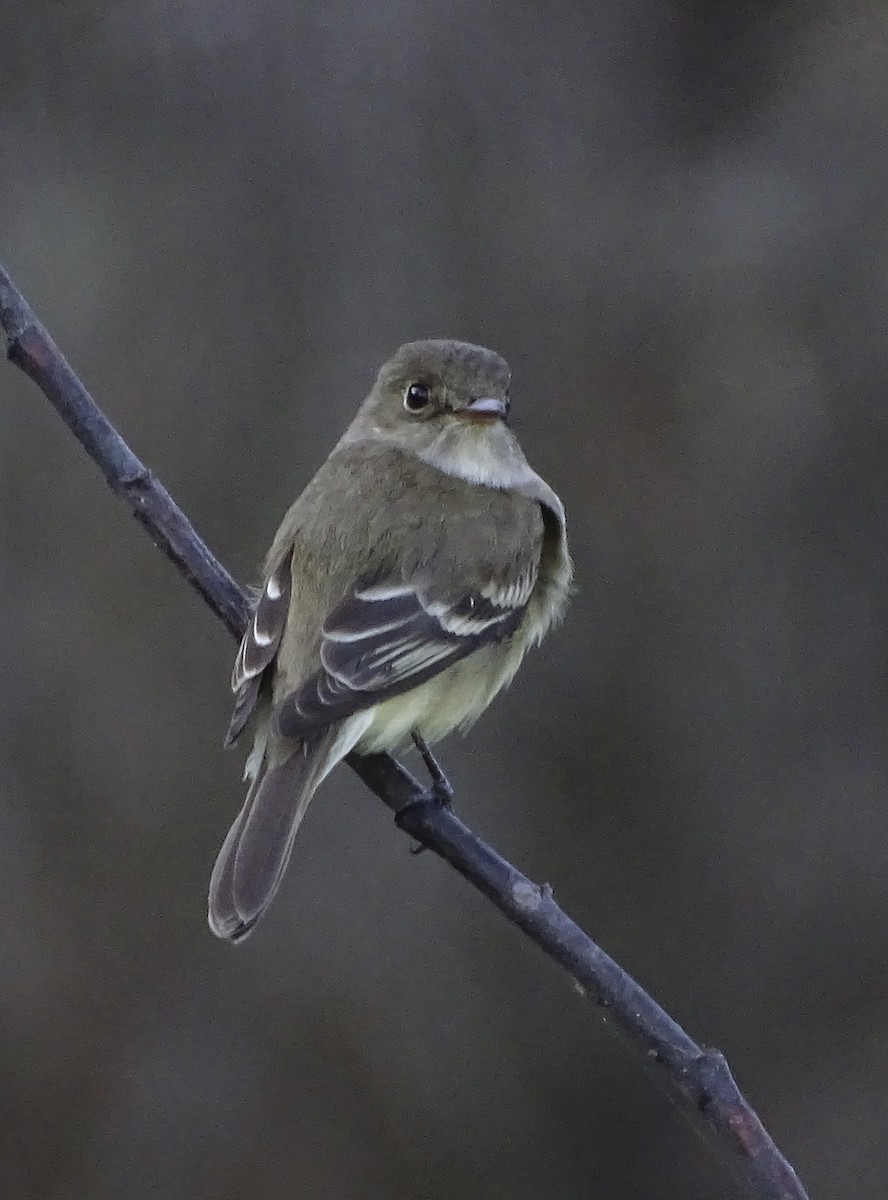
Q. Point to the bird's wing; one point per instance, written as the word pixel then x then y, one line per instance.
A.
pixel 389 636
pixel 259 646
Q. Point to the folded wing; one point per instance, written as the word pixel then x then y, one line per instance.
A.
pixel 259 646
pixel 389 636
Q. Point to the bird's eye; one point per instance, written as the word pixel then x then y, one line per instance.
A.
pixel 417 397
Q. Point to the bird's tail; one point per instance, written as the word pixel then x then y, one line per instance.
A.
pixel 255 853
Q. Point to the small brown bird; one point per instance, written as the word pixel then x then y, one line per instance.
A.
pixel 401 593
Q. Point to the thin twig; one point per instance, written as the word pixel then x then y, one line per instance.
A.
pixel 698 1080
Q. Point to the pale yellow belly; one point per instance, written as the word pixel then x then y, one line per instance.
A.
pixel 451 700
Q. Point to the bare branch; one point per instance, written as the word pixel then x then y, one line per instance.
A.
pixel 698 1080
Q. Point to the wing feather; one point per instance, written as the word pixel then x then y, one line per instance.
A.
pixel 389 636
pixel 259 646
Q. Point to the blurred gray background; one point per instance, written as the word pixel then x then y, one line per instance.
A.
pixel 671 219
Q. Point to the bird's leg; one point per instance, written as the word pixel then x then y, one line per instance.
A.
pixel 439 791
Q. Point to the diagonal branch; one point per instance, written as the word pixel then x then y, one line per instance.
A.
pixel 698 1080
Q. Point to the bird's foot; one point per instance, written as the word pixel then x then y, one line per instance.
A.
pixel 439 792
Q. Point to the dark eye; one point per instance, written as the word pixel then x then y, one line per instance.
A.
pixel 417 397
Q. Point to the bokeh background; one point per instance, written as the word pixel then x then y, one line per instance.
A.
pixel 671 219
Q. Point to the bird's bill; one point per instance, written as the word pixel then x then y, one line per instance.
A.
pixel 487 408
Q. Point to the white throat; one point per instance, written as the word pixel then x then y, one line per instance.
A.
pixel 485 453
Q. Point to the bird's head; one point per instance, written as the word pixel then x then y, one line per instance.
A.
pixel 446 401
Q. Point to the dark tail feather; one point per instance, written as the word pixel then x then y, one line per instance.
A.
pixel 225 920
pixel 255 853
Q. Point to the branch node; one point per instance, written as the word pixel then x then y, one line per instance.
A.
pixel 528 896
pixel 711 1068
pixel 139 478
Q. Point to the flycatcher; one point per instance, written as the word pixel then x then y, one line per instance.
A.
pixel 400 594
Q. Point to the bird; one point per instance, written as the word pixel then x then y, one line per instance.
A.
pixel 399 596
